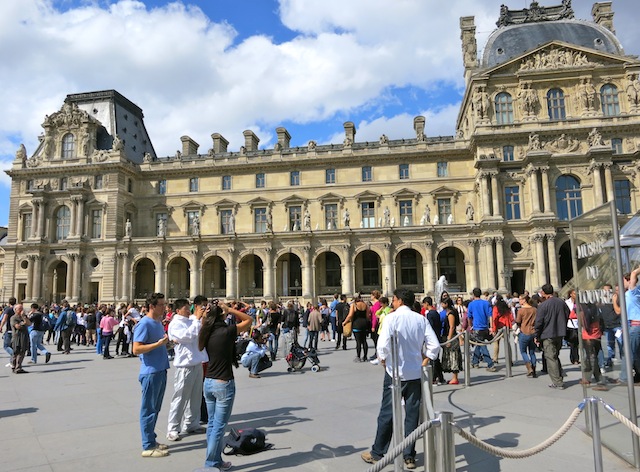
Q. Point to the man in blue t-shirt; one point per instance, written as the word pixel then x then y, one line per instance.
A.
pixel 479 313
pixel 149 342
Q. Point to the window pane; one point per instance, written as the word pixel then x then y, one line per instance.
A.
pixel 294 178
pixel 409 268
pixel 97 183
pixel 193 184
pixel 63 223
pixel 623 196
pixel 162 187
pixel 370 270
pixel 504 109
pixel 295 218
pixel 404 171
pixel 225 222
pixel 368 215
pixel 330 176
pixel 512 202
pixel 332 271
pixel 96 224
pixel 507 153
pixel 260 215
pixel 260 180
pixel 616 145
pixel 568 197
pixel 443 169
pixel 406 212
pixel 609 99
pixel 555 104
pixel 226 182
pixel 26 226
pixel 68 146
pixel 366 174
pixel 331 216
pixel 444 209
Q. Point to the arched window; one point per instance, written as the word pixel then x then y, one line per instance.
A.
pixel 504 108
pixel 609 100
pixel 568 197
pixel 63 223
pixel 555 104
pixel 68 146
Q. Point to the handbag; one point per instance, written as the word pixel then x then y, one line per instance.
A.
pixel 347 329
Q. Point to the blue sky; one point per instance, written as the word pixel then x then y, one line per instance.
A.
pixel 204 66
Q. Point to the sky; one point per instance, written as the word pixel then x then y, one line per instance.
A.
pixel 224 66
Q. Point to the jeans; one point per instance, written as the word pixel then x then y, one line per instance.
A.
pixel 634 339
pixel 36 338
pixel 306 337
pixel 551 349
pixel 313 339
pixel 251 360
pixel 610 335
pixel 153 386
pixel 219 396
pixel 6 339
pixel 334 327
pixel 527 348
pixel 481 352
pixel 99 343
pixel 411 392
pixel 106 341
pixel 273 344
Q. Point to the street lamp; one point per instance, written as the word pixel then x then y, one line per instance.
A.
pixel 386 281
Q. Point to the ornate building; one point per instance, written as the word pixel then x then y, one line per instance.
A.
pixel 548 129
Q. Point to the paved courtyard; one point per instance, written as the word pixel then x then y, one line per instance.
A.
pixel 80 413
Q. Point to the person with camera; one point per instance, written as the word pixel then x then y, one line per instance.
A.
pixel 254 354
pixel 219 339
pixel 19 323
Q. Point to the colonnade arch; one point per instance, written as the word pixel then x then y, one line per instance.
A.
pixel 214 277
pixel 451 264
pixel 178 278
pixel 144 278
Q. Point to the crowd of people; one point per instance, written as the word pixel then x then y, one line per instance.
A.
pixel 201 338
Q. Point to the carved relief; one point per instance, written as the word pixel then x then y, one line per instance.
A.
pixel 595 139
pixel 535 13
pixel 481 103
pixel 587 96
pixel 562 144
pixel 633 91
pixel 529 100
pixel 555 59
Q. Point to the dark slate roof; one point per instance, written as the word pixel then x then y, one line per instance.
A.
pixel 508 42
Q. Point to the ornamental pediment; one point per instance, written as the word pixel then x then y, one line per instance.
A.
pixel 331 198
pixel 260 202
pixel 69 116
pixel 294 199
pixel 405 193
pixel 368 195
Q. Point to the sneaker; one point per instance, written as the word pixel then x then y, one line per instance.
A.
pixel 557 387
pixel 47 357
pixel 374 362
pixel 374 357
pixel 410 463
pixel 198 430
pixel 492 369
pixel 20 371
pixel 254 376
pixel 173 436
pixel 600 388
pixel 603 370
pixel 368 458
pixel 162 447
pixel 475 366
pixel 8 365
pixel 155 453
pixel 225 466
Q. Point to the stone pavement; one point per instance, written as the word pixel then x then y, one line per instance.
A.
pixel 80 413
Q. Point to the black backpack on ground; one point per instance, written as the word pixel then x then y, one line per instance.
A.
pixel 245 442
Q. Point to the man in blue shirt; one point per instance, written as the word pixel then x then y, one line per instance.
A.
pixel 479 313
pixel 332 316
pixel 632 299
pixel 149 342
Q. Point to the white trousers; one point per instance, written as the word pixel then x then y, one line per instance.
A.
pixel 186 400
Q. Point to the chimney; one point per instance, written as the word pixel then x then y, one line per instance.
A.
pixel 469 45
pixel 219 143
pixel 603 15
pixel 349 132
pixel 189 146
pixel 250 140
pixel 284 138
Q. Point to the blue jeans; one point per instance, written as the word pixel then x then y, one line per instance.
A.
pixel 6 338
pixel 219 397
pixel 273 344
pixel 99 343
pixel 153 386
pixel 634 339
pixel 36 338
pixel 611 344
pixel 251 361
pixel 334 327
pixel 527 348
pixel 411 392
pixel 481 352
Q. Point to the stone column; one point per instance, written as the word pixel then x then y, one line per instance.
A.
pixel 535 190
pixel 30 273
pixel 597 185
pixel 546 195
pixel 232 274
pixel 495 194
pixel 553 261
pixel 35 219
pixel 77 279
pixel 489 263
pixel 389 273
pixel 73 224
pixel 608 178
pixel 540 268
pixel 126 276
pixel 41 210
pixel 194 288
pixel 428 268
pixel 472 275
pixel 159 282
pixel 347 271
pixel 307 274
pixel 69 281
pixel 269 275
pixel 37 278
pixel 80 217
pixel 484 188
pixel 502 286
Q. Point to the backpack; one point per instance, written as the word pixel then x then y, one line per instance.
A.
pixel 245 442
pixel 46 323
pixel 70 319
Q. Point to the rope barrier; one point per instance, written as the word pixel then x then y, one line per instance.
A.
pixel 497 337
pixel 459 335
pixel 620 417
pixel 512 454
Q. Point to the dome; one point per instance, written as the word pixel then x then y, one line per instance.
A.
pixel 511 41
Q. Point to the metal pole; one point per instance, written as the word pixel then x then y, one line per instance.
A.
pixel 396 399
pixel 507 350
pixel 446 443
pixel 428 439
pixel 467 359
pixel 594 418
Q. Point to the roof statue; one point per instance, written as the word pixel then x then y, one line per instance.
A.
pixel 535 13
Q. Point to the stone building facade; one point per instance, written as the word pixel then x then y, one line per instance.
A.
pixel 548 129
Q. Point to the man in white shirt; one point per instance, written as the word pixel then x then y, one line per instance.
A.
pixel 415 337
pixel 187 383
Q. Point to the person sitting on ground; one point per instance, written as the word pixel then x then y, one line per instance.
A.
pixel 256 350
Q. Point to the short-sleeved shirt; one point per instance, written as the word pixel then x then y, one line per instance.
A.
pixel 221 350
pixel 479 311
pixel 632 297
pixel 149 331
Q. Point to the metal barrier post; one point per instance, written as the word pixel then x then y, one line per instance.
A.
pixel 396 400
pixel 467 359
pixel 507 350
pixel 594 419
pixel 446 461
pixel 428 439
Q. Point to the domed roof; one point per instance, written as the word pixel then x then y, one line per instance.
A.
pixel 508 42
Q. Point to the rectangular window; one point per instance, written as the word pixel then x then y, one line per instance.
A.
pixel 330 176
pixel 444 209
pixel 161 228
pixel 406 212
pixel 191 217
pixel 366 174
pixel 331 216
pixel 193 184
pixel 260 220
pixel 29 185
pixel 368 215
pixel 96 224
pixel 507 153
pixel 27 219
pixel 408 268
pixel 130 186
pixel 260 180
pixel 443 169
pixel 294 178
pixel 97 182
pixel 226 182
pixel 162 187
pixel 616 145
pixel 404 171
pixel 512 202
pixel 370 269
pixel 295 218
pixel 623 196
pixel 226 224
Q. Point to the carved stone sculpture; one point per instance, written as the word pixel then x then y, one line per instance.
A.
pixel 21 153
pixel 162 227
pixel 534 142
pixel 595 138
pixel 346 218
pixel 384 139
pixel 307 220
pixel 387 216
pixel 269 221
pixel 127 228
pixel 481 103
pixel 450 219
pixel 587 95
pixel 529 100
pixel 195 226
pixel 117 144
pixel 633 90
pixel 469 212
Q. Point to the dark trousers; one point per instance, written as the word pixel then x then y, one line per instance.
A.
pixel 64 340
pixel 361 344
pixel 106 340
pixel 313 339
pixel 411 392
pixel 592 348
pixel 340 339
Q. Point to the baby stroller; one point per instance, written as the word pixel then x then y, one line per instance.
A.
pixel 298 356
